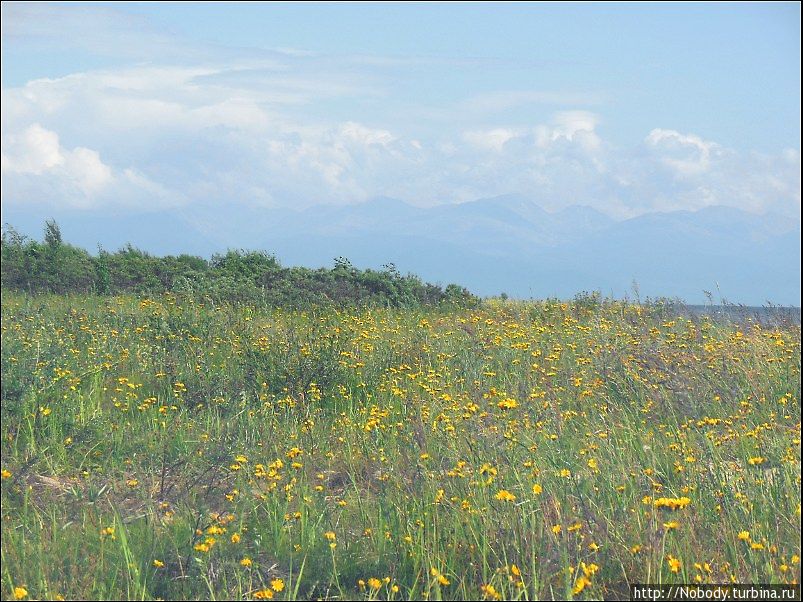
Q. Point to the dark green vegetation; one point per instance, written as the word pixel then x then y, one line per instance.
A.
pixel 253 277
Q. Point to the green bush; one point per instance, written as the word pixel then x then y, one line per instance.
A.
pixel 237 276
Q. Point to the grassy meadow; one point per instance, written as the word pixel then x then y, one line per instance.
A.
pixel 164 448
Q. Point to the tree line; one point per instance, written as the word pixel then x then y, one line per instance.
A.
pixel 237 276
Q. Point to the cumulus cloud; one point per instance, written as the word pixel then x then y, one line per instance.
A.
pixel 36 168
pixel 673 171
pixel 34 151
pixel 684 154
pixel 572 127
pixel 259 132
pixel 570 123
pixel 37 151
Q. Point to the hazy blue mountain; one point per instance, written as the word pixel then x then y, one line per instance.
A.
pixel 493 245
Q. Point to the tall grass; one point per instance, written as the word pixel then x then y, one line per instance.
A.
pixel 162 449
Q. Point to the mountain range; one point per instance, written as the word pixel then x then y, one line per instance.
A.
pixel 502 244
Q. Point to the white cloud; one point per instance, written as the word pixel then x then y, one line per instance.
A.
pixel 262 132
pixel 36 168
pixel 685 154
pixel 493 140
pixel 366 136
pixel 570 123
pixel 34 151
pixel 573 127
pixel 37 151
pixel 84 167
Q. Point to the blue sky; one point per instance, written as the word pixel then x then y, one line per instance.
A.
pixel 626 108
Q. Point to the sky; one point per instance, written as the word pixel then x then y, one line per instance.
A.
pixel 627 108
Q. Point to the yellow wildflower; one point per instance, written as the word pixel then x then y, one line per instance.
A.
pixel 581 583
pixel 504 495
pixel 439 576
pixel 489 591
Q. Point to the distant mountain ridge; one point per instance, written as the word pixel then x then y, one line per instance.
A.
pixel 491 245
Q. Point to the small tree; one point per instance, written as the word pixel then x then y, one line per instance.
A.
pixel 12 237
pixel 52 234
